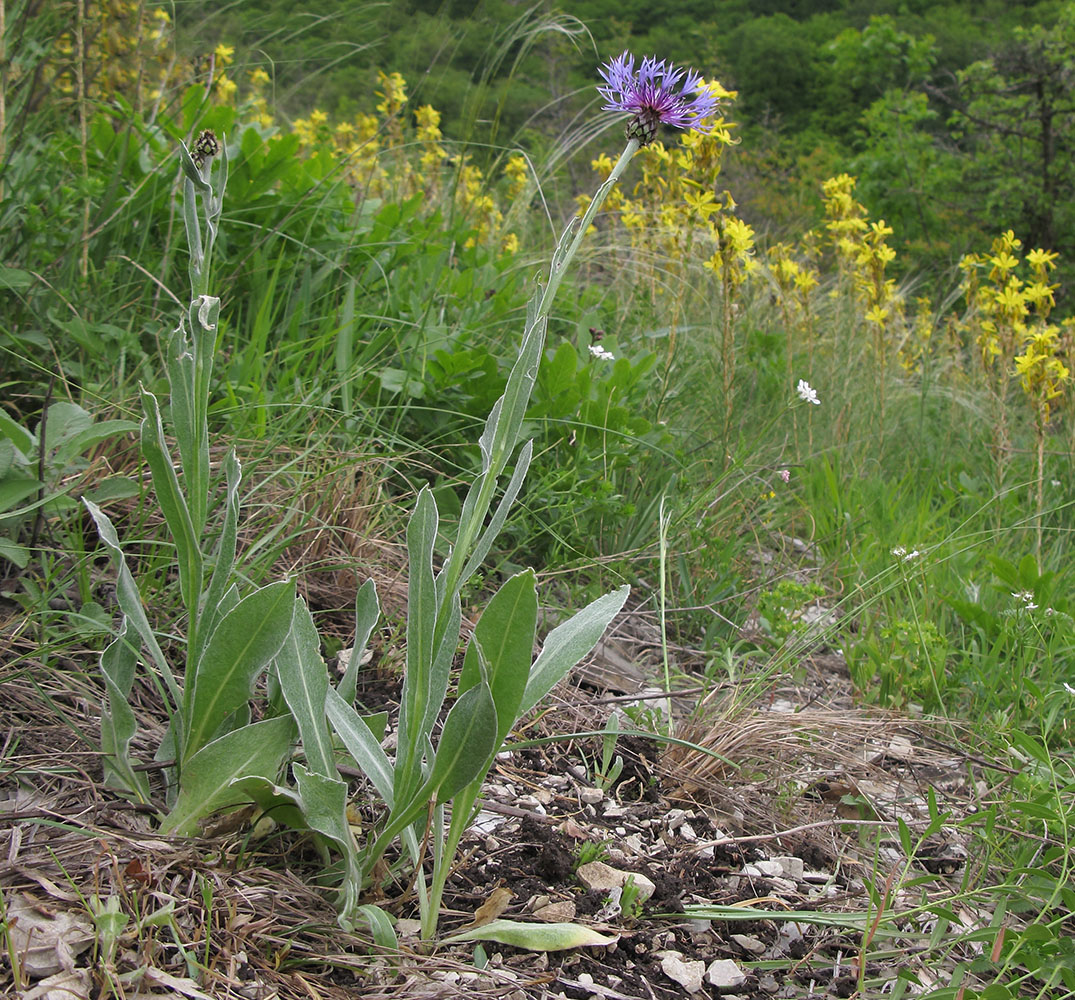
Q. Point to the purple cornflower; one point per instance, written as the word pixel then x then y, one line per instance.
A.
pixel 649 96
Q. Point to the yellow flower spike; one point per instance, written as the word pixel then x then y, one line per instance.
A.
pixel 225 87
pixel 1009 241
pixel 393 93
pixel 225 54
pixel 510 243
pixel 878 315
pixel 602 165
pixel 704 203
pixel 740 236
pixel 1042 260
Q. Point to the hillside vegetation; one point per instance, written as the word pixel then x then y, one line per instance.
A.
pixel 806 388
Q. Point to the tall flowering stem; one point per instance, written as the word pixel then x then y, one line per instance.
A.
pixel 647 95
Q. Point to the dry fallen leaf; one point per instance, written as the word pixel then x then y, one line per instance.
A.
pixel 496 904
pixel 46 941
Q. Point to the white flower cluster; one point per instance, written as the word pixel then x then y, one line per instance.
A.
pixel 903 555
pixel 599 352
pixel 1026 597
pixel 806 394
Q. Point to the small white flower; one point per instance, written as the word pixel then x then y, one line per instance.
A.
pixel 899 552
pixel 806 394
pixel 785 474
pixel 913 554
pixel 1026 597
pixel 1054 482
pixel 599 352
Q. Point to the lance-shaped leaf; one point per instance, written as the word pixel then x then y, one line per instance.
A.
pixel 505 633
pixel 360 743
pixel 367 611
pixel 500 515
pixel 568 643
pixel 303 681
pixel 130 600
pixel 466 743
pixel 207 781
pixel 318 804
pixel 535 937
pixel 214 604
pixel 241 646
pixel 118 724
pixel 421 625
pixel 172 503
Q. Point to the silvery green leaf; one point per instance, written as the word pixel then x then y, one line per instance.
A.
pixel 130 600
pixel 568 643
pixel 380 924
pixel 241 646
pixel 304 683
pixel 367 611
pixel 118 723
pixel 535 937
pixel 500 515
pixel 360 743
pixel 208 776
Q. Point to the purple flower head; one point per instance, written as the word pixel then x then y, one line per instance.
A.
pixel 650 96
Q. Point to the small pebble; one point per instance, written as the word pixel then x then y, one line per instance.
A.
pixel 724 974
pixel 793 867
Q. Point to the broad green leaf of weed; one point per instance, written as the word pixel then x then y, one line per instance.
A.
pixel 505 633
pixel 208 776
pixel 241 646
pixel 466 743
pixel 303 679
pixel 568 643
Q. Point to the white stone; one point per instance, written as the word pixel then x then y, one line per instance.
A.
pixel 748 943
pixel 772 869
pixel 793 867
pixel 591 796
pixel 687 974
pixel 598 875
pixel 560 912
pixel 724 974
